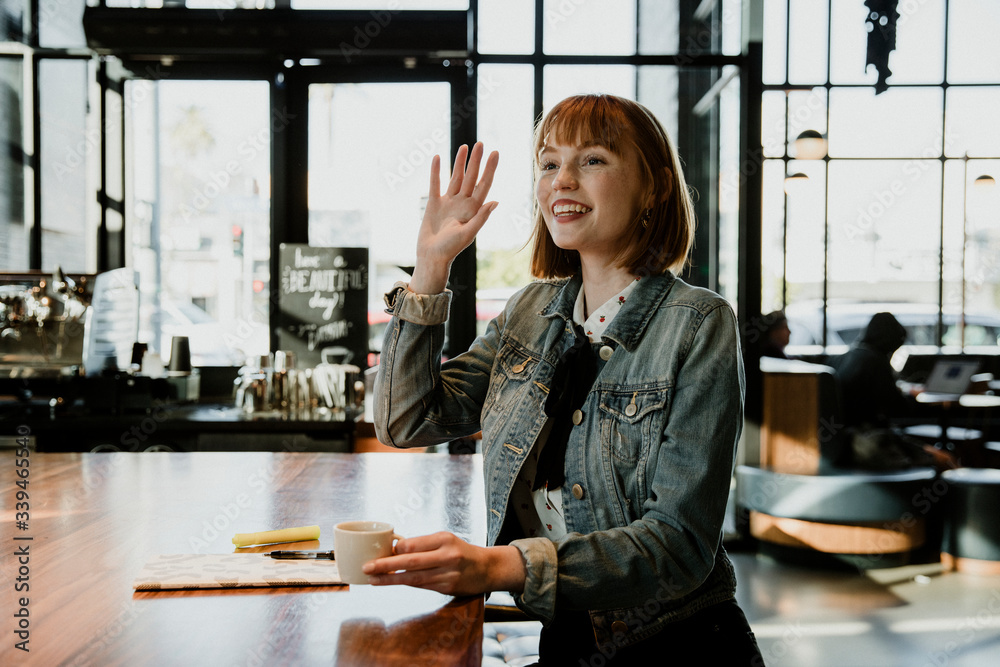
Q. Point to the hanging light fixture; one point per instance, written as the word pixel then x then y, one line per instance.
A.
pixel 810 145
pixel 795 182
pixel 984 181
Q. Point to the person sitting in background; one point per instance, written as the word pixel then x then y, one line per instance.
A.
pixel 774 338
pixel 869 396
pixel 870 400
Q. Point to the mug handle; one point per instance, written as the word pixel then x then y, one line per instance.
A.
pixel 395 538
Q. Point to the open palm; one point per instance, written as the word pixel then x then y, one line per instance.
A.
pixel 453 218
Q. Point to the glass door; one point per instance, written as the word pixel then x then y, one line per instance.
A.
pixel 370 147
pixel 200 240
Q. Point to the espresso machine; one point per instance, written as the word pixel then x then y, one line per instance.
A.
pixel 42 319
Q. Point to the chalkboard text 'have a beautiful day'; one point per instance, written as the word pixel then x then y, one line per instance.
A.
pixel 317 286
pixel 327 285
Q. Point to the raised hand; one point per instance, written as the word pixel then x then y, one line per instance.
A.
pixel 452 219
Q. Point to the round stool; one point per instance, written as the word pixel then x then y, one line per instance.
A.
pixel 932 433
pixel 860 518
pixel 965 443
pixel 971 532
pixel 991 454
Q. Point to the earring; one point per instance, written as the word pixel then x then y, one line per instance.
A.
pixel 646 217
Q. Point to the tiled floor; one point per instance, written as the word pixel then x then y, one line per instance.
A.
pixel 912 616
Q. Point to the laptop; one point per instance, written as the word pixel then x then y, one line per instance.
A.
pixel 951 376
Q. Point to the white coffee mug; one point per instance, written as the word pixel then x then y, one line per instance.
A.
pixel 358 542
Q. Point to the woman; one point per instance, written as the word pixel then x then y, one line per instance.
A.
pixel 609 395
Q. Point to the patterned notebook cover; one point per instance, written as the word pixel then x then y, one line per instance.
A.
pixel 250 570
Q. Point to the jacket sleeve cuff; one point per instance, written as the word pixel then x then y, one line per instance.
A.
pixel 541 565
pixel 428 309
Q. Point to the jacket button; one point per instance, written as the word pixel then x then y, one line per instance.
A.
pixel 578 492
pixel 631 409
pixel 606 351
pixel 619 628
pixel 518 368
pixel 577 417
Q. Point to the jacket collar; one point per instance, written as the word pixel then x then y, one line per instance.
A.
pixel 630 323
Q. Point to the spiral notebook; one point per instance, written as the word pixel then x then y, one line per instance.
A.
pixel 251 570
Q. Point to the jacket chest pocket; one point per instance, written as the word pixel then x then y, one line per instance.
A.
pixel 631 421
pixel 509 384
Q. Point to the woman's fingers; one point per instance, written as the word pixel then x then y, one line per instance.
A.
pixel 396 563
pixel 422 553
pixel 435 187
pixel 472 170
pixel 482 215
pixel 486 182
pixel 445 563
pixel 452 219
pixel 411 553
pixel 457 171
pixel 465 179
pixel 440 580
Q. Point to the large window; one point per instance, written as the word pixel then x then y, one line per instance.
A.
pixel 164 153
pixel 51 132
pixel 897 211
pixel 623 47
pixel 69 159
pixel 13 230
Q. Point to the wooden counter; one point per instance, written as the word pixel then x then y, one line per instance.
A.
pixel 94 519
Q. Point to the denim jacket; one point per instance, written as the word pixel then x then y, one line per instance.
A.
pixel 648 467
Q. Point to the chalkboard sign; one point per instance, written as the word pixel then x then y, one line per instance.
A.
pixel 323 303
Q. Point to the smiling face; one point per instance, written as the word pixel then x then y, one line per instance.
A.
pixel 602 162
pixel 588 197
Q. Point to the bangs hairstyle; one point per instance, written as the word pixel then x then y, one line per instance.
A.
pixel 629 130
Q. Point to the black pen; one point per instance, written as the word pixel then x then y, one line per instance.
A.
pixel 301 555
